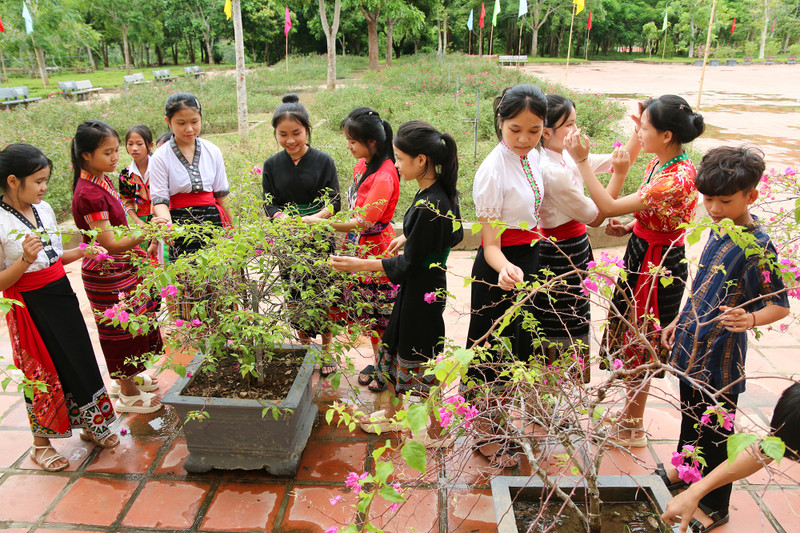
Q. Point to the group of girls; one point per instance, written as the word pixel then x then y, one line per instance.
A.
pixel 152 190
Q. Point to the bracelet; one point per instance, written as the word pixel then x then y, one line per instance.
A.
pixel 754 320
pixel 25 260
pixel 582 160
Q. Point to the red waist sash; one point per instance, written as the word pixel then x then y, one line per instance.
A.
pixel 195 199
pixel 569 230
pixel 513 237
pixel 30 353
pixel 645 295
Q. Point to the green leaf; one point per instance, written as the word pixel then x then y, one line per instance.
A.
pixel 336 380
pixel 389 493
pixel 468 280
pixel 524 225
pixel 738 442
pixel 329 416
pixel 456 225
pixel 797 210
pixel 774 448
pixel 476 228
pixel 413 453
pixel 666 282
pixel 598 412
pixel 464 356
pixel 417 418
pixel 694 236
pixel 6 382
pixel 382 471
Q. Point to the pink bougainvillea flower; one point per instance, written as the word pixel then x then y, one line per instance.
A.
pixel 123 317
pixel 109 313
pixel 169 290
pixel 765 273
pixel 617 364
pixel 677 459
pixel 197 322
pixel 690 474
pixel 784 328
pixel 335 499
pixel 705 419
pixel 189 374
pixel 445 416
pixel 727 421
pixel 123 432
pixel 588 285
pixel 83 246
pixel 430 297
pixel 393 507
pixel 332 529
pixel 616 144
pixel 179 322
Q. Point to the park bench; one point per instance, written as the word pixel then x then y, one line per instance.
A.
pixel 163 75
pixel 193 71
pixel 792 60
pixel 79 89
pixel 14 96
pixel 135 79
pixel 510 60
pixel 713 62
pixel 747 61
pixel 769 61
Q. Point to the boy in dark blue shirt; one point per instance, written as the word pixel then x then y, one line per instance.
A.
pixel 738 286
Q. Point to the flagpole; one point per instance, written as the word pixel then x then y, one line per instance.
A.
pixel 287 51
pixel 569 46
pixel 469 48
pixel 705 55
pixel 491 38
pixel 586 55
pixel 480 46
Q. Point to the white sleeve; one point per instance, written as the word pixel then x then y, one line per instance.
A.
pixel 159 177
pixel 568 198
pixel 487 190
pixel 220 185
pixel 600 163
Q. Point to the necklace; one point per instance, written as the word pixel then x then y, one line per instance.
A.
pixel 537 195
pixel 654 172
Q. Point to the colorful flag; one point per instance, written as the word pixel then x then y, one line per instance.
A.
pixel 733 26
pixel 580 4
pixel 483 15
pixel 664 25
pixel 27 16
pixel 469 21
pixel 1 25
pixel 589 23
pixel 523 8
pixel 228 9
pixel 496 12
pixel 287 25
pixel 772 31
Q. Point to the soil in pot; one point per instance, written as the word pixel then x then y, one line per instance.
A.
pixel 617 517
pixel 226 380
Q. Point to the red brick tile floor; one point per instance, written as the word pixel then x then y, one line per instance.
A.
pixel 141 485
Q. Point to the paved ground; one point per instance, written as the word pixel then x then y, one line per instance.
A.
pixel 141 485
pixel 756 104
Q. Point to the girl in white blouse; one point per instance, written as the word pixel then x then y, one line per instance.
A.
pixel 507 192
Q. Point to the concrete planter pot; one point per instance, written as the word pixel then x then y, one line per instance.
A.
pixel 235 436
pixel 507 489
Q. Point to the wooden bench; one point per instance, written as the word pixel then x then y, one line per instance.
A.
pixel 14 96
pixel 510 60
pixel 163 75
pixel 135 79
pixel 193 71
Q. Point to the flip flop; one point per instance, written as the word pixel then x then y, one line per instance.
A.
pixel 378 424
pixel 671 485
pixel 366 375
pixel 716 520
pixel 46 463
pixel 378 384
pixel 144 382
pixel 103 443
pixel 125 404
pixel 332 365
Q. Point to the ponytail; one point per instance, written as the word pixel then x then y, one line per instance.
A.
pixel 418 137
pixel 364 125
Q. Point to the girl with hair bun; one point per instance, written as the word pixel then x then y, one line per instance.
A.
pixel 300 181
pixel 415 331
pixel 666 199
pixel 48 336
pixel 371 200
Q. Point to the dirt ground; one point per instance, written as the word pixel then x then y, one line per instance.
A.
pixel 755 104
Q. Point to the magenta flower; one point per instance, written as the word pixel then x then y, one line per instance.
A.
pixel 677 459
pixel 123 317
pixel 103 256
pixel 332 529
pixel 727 421
pixel 179 322
pixel 189 374
pixel 83 246
pixel 109 313
pixel 765 273
pixel 445 416
pixel 588 285
pixel 617 364
pixel 393 507
pixel 705 419
pixel 123 432
pixel 335 499
pixel 430 297
pixel 169 290
pixel 197 322
pixel 616 144
pixel 690 474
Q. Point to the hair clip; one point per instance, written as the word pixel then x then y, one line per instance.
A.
pixel 682 106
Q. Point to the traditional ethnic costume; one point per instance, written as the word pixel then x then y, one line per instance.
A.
pixel 372 199
pixel 727 275
pixel 416 328
pixel 48 335
pixel 507 189
pixel 95 199
pixel 671 198
pixel 134 189
pixel 563 310
pixel 191 190
pixel 299 189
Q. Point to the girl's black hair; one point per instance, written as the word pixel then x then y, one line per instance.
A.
pixel 291 109
pixel 165 138
pixel 21 160
pixel 143 132
pixel 418 137
pixel 179 101
pixel 363 125
pixel 727 170
pixel 514 100
pixel 88 138
pixel 786 421
pixel 672 113
pixel 558 111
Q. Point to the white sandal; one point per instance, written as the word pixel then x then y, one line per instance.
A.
pixel 125 404
pixel 106 442
pixel 144 382
pixel 46 463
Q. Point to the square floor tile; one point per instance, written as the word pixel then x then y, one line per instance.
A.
pixel 73 448
pixel 243 506
pixel 172 464
pixel 418 513
pixel 28 508
pixel 310 509
pixel 16 417
pixel 633 461
pixel 132 456
pixel 13 443
pixel 331 461
pixel 167 504
pixel 96 502
pixel 470 511
pixel 785 507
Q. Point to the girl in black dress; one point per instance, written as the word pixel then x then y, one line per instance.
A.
pixel 416 327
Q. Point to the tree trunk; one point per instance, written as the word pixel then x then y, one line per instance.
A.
pixel 439 36
pixel 534 41
pixel 125 50
pixel 330 38
pixel 175 54
pixel 159 56
pixel 147 55
pixel 444 36
pixel 104 48
pixel 372 35
pixel 209 54
pixel 241 80
pixel 191 52
pixel 266 52
pixel 3 75
pixel 764 31
pixel 389 39
pixel 40 61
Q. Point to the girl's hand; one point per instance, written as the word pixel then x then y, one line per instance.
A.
pixel 160 221
pixel 31 246
pixel 94 250
pixel 637 119
pixel 311 219
pixel 615 228
pixel 152 250
pixel 345 263
pixel 736 320
pixel 574 143
pixel 509 276
pixel 668 335
pixel 620 160
pixel 396 244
